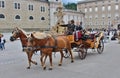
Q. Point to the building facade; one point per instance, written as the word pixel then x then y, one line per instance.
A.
pixel 32 14
pixel 26 14
pixel 100 13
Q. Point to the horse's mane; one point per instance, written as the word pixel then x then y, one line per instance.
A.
pixel 40 35
pixel 24 32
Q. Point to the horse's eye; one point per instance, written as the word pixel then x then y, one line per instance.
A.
pixel 12 32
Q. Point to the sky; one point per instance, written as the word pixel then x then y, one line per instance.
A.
pixel 71 1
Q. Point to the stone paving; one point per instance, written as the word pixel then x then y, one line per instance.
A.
pixel 13 63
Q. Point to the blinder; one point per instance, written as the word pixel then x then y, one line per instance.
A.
pixel 16 32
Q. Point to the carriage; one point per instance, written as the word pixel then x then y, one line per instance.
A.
pixel 47 43
pixel 85 42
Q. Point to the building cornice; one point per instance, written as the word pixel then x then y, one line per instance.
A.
pixel 73 11
pixel 90 1
pixel 46 1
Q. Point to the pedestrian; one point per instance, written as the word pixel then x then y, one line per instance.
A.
pixel 2 43
pixel 105 35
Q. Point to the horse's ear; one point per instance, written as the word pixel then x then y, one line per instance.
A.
pixel 16 27
pixel 32 35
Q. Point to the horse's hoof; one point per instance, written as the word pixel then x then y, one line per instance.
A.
pixel 72 61
pixel 44 68
pixel 36 63
pixel 28 67
pixel 59 64
pixel 50 68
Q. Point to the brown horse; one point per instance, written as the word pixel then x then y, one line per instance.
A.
pixel 19 33
pixel 48 44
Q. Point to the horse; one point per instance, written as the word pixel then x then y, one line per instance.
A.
pixel 47 44
pixel 20 33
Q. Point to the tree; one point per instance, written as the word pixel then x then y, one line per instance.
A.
pixel 72 6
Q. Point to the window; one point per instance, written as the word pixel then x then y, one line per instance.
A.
pixel 96 23
pixel 103 16
pixel 109 15
pixel 17 17
pixel 90 9
pixel 116 15
pixel 96 9
pixel 2 16
pixel 103 8
pixel 103 23
pixel 31 17
pixel 85 10
pixel 43 18
pixel 95 2
pixel 90 23
pixel 96 16
pixel 42 9
pixel 90 17
pixel 116 7
pixel 109 22
pixel 30 7
pixel 109 8
pixel 2 4
pixel 17 5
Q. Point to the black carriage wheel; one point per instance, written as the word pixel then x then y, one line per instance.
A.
pixel 100 47
pixel 82 53
pixel 66 54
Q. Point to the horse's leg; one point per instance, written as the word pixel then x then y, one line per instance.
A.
pixel 50 59
pixel 41 59
pixel 72 59
pixel 30 57
pixel 45 58
pixel 60 63
pixel 28 61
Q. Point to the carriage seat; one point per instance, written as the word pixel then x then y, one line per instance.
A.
pixel 90 36
pixel 77 35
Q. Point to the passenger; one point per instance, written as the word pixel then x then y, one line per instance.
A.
pixel 77 31
pixel 70 27
pixel 80 26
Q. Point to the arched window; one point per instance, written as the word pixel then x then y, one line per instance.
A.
pixel 17 17
pixel 42 18
pixel 2 16
pixel 31 17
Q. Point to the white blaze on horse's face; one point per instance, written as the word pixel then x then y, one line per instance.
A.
pixel 15 33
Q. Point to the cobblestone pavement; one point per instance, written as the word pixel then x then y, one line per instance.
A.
pixel 13 63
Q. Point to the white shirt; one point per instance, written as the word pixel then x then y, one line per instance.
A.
pixel 2 40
